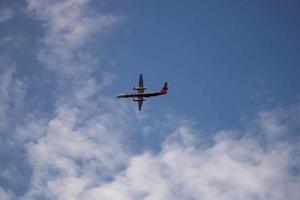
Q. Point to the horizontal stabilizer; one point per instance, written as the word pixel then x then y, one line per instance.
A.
pixel 139 88
pixel 138 99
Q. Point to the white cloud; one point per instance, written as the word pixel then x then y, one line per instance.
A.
pixel 89 161
pixel 5 195
pixel 82 148
pixel 32 128
pixel 69 22
pixel 69 25
pixel 231 168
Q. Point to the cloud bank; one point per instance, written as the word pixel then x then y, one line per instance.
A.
pixel 249 164
pixel 91 161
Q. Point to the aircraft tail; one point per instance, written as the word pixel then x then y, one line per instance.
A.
pixel 165 88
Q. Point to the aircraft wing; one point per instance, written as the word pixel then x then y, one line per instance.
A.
pixel 141 81
pixel 141 84
pixel 140 104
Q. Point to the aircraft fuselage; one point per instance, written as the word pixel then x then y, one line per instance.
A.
pixel 140 95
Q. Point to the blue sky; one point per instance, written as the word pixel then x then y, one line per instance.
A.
pixel 228 128
pixel 228 59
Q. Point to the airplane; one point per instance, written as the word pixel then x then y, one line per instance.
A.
pixel 140 96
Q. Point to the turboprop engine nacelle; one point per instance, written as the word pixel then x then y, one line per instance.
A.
pixel 138 99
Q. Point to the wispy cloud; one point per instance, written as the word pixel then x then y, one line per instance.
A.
pixel 80 146
pixel 11 42
pixel 12 93
pixel 6 13
pixel 69 26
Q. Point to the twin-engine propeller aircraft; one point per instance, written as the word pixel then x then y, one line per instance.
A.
pixel 140 96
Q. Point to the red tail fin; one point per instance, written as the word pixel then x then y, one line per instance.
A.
pixel 165 88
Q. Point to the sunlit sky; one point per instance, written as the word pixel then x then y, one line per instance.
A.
pixel 223 60
pixel 227 129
